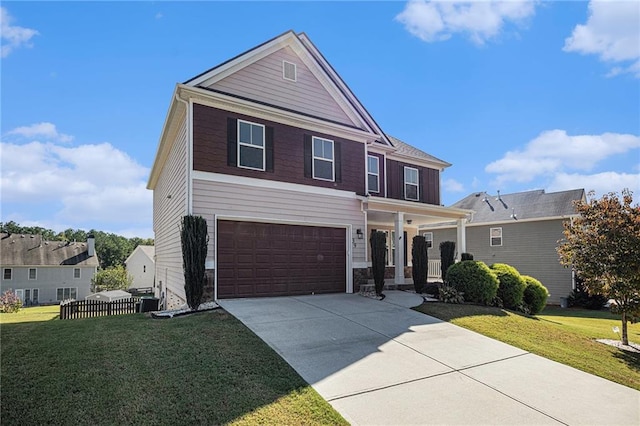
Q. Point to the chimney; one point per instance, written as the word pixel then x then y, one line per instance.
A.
pixel 91 242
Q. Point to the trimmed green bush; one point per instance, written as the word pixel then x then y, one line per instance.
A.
pixel 475 280
pixel 447 257
pixel 378 241
pixel 535 295
pixel 194 239
pixel 511 285
pixel 466 256
pixel 431 288
pixel 419 262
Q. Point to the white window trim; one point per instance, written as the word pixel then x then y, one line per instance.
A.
pixel 79 275
pixel 11 273
pixel 417 185
pixel 314 158
pixel 63 288
pixel 295 71
pixel 263 147
pixel 377 175
pixel 29 274
pixel 424 234
pixel 491 237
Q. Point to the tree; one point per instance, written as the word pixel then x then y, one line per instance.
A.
pixel 447 257
pixel 194 238
pixel 419 262
pixel 378 241
pixel 603 246
pixel 115 278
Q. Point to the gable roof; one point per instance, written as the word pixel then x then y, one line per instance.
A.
pixel 149 251
pixel 31 250
pixel 524 205
pixel 403 149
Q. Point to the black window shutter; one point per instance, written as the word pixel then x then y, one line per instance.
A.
pixel 268 136
pixel 232 142
pixel 421 185
pixel 404 237
pixel 337 147
pixel 401 182
pixel 308 157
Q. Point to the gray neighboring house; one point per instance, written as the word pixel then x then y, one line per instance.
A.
pixel 520 229
pixel 44 272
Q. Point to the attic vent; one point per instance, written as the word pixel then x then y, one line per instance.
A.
pixel 289 71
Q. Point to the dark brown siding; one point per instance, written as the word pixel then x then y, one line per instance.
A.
pixel 210 151
pixel 429 182
pixel 381 163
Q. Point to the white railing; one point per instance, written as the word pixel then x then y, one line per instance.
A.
pixel 433 270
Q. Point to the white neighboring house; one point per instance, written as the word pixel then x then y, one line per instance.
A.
pixel 42 272
pixel 141 266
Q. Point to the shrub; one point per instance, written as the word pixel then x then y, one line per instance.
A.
pixel 9 302
pixel 473 278
pixel 466 256
pixel 535 295
pixel 448 294
pixel 581 298
pixel 511 285
pixel 113 278
pixel 194 239
pixel 431 288
pixel 419 262
pixel 447 257
pixel 378 243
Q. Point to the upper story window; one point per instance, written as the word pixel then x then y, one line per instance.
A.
pixel 7 274
pixel 373 173
pixel 76 273
pixel 411 189
pixel 428 236
pixel 251 152
pixel 33 273
pixel 323 159
pixel 496 236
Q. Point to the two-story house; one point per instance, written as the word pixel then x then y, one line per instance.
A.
pixel 291 173
pixel 44 272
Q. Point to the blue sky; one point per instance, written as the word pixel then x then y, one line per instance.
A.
pixel 516 95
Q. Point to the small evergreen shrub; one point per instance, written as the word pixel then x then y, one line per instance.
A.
pixel 9 302
pixel 194 239
pixel 582 299
pixel 419 262
pixel 447 257
pixel 378 241
pixel 432 288
pixel 535 295
pixel 473 278
pixel 511 285
pixel 448 294
pixel 466 256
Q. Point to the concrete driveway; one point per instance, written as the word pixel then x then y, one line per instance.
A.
pixel 379 362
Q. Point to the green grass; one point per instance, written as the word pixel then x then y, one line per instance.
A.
pixel 205 368
pixel 563 335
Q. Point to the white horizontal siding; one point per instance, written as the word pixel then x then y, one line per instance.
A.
pixel 263 81
pixel 167 214
pixel 232 200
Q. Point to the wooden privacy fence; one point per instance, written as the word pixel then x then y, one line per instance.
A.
pixel 96 308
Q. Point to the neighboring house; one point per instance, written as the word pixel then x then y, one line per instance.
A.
pixel 142 267
pixel 521 229
pixel 42 272
pixel 291 173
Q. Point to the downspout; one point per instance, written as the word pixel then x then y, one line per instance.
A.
pixel 189 156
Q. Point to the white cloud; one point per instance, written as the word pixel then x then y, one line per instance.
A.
pixel 80 184
pixel 612 32
pixel 13 36
pixel 601 183
pixel 452 185
pixel 159 15
pixel 479 20
pixel 45 130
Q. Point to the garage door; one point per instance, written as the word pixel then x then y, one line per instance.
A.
pixel 267 259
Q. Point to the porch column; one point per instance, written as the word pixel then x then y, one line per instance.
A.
pixel 399 244
pixel 462 237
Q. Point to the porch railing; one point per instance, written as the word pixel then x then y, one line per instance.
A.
pixel 433 270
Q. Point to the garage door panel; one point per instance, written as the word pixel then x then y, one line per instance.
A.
pixel 279 260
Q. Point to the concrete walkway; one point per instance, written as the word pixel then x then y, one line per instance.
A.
pixel 382 363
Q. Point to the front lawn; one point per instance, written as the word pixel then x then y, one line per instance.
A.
pixel 563 335
pixel 206 368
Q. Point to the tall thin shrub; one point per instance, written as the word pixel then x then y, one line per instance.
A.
pixel 194 237
pixel 447 257
pixel 419 261
pixel 378 241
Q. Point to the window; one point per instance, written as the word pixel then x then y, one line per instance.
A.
pixel 7 274
pixel 289 71
pixel 76 273
pixel 30 296
pixel 251 150
pixel 496 236
pixel 428 236
pixel 323 159
pixel 144 269
pixel 373 174
pixel 66 293
pixel 33 273
pixel 411 183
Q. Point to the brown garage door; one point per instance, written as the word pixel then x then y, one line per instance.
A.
pixel 267 259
